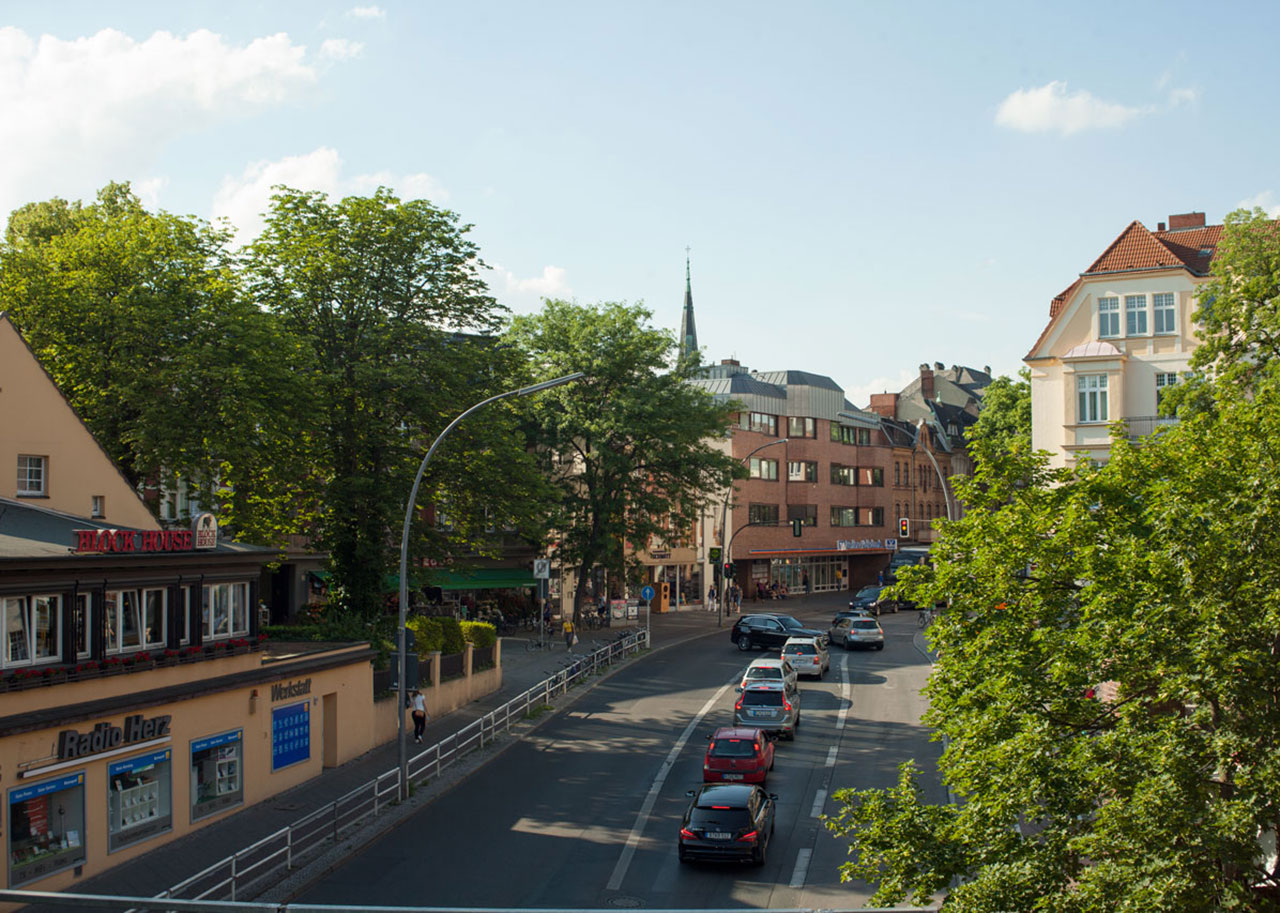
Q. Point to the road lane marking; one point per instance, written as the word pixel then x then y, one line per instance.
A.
pixel 819 800
pixel 831 755
pixel 637 829
pixel 846 700
pixel 801 871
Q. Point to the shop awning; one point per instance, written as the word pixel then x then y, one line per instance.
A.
pixel 488 578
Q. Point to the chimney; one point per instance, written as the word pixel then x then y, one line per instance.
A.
pixel 1159 226
pixel 730 361
pixel 939 366
pixel 926 381
pixel 1186 220
pixel 884 404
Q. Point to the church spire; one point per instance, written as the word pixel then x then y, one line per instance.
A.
pixel 688 332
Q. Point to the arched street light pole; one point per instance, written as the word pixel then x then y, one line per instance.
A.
pixel 946 492
pixel 401 648
pixel 723 602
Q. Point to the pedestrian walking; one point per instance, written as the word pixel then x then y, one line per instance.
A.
pixel 804 582
pixel 570 636
pixel 735 597
pixel 711 598
pixel 419 715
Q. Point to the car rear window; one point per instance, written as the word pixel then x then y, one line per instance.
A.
pixel 762 698
pixel 764 672
pixel 733 748
pixel 725 819
pixel 866 624
pixel 803 649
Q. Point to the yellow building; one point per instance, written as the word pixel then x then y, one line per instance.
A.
pixel 1117 337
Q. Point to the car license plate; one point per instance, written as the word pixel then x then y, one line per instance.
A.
pixel 716 835
pixel 733 776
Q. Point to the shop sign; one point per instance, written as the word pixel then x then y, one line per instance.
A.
pixel 104 737
pixel 205 527
pixel 290 735
pixel 133 540
pixel 286 690
pixel 853 545
pixel 43 789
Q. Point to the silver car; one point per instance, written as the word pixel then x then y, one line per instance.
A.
pixel 858 632
pixel 769 670
pixel 807 655
pixel 770 706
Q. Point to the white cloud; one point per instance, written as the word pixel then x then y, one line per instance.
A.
pixel 340 49
pixel 148 191
pixel 367 12
pixel 553 283
pixel 84 111
pixel 1050 109
pixel 860 395
pixel 1265 201
pixel 242 200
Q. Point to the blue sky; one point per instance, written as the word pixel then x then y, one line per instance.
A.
pixel 864 186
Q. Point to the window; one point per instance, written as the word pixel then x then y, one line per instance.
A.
pixel 877 516
pixel 804 471
pixel 1108 317
pixel 843 475
pixel 897 474
pixel 1164 382
pixel 153 618
pixel 763 514
pixel 216 782
pixel 32 476
pixel 1135 315
pixel 83 618
pixel 1163 312
pixel 844 516
pixel 805 512
pixel 758 421
pixel 871 475
pixel 98 508
pixel 764 469
pixel 847 435
pixel 32 629
pixel 801 427
pixel 1091 398
pixel 46 827
pixel 139 798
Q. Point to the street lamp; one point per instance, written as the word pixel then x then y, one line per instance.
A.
pixel 727 557
pixel 404 554
pixel 946 492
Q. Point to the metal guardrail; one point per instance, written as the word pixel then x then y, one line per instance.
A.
pixel 247 871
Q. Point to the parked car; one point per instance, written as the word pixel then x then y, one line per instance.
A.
pixel 858 632
pixel 872 599
pixel 807 656
pixel 769 670
pixel 727 821
pixel 848 613
pixel 768 632
pixel 738 753
pixel 770 706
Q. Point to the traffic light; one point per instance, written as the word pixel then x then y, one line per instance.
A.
pixel 728 569
pixel 904 528
pixel 797 526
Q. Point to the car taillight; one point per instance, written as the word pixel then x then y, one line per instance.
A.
pixel 685 832
pixel 738 705
pixel 749 837
pixel 786 704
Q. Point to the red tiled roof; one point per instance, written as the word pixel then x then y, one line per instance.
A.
pixel 1137 248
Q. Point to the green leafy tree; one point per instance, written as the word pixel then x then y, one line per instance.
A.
pixel 1005 418
pixel 139 319
pixel 1107 682
pixel 376 292
pixel 630 449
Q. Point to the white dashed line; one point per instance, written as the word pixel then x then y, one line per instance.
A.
pixel 845 700
pixel 819 800
pixel 801 871
pixel 831 755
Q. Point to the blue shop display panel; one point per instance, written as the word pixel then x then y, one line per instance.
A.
pixel 290 735
pixel 139 798
pixel 217 773
pixel 46 828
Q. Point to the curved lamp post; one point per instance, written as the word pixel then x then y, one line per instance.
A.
pixel 723 601
pixel 946 492
pixel 404 555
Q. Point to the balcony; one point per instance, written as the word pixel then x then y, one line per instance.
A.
pixel 1141 426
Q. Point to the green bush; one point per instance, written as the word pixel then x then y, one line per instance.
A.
pixel 454 642
pixel 479 633
pixel 428 634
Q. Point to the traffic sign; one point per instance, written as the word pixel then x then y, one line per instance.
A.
pixel 542 568
pixel 646 593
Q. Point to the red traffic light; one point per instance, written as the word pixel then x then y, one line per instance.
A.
pixel 904 528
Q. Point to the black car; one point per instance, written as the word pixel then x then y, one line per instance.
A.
pixel 769 632
pixel 727 821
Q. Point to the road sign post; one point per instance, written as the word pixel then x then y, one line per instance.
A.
pixel 646 593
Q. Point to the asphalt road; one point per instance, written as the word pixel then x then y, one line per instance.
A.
pixel 584 811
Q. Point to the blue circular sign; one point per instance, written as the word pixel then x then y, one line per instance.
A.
pixel 646 593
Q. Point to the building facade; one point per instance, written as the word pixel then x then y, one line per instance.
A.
pixel 1117 337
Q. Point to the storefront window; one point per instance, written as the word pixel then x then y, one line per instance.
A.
pixel 217 780
pixel 46 828
pixel 139 798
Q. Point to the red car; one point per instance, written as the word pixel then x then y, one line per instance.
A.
pixel 738 754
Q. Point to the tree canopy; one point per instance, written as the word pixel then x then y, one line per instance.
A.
pixel 630 449
pixel 1004 420
pixel 1108 685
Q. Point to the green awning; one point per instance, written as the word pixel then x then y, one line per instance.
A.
pixel 488 578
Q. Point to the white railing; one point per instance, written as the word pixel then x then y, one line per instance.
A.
pixel 241 875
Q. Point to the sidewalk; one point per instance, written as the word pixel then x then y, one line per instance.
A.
pixel 168 864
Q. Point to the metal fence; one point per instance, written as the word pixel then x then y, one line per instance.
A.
pixel 243 875
pixel 482 658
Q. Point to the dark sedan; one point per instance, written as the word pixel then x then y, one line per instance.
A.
pixel 769 632
pixel 727 821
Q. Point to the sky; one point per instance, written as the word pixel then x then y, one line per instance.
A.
pixel 862 187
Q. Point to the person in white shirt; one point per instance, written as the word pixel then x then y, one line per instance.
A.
pixel 419 715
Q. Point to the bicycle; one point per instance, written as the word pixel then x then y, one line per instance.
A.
pixel 925 618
